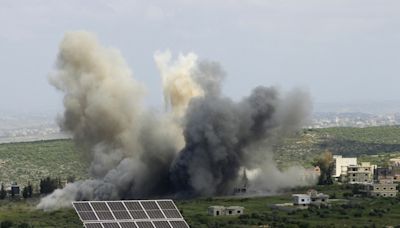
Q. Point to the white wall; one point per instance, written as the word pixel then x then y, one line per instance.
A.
pixel 340 161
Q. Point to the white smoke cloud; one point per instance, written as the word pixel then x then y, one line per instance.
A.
pixel 178 84
pixel 130 148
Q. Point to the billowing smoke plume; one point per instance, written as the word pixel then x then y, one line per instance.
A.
pixel 199 150
pixel 130 148
pixel 178 84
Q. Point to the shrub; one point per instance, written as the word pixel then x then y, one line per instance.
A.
pixel 3 192
pixel 304 225
pixel 347 194
pixel 333 196
pixel 6 224
pixel 357 214
pixel 24 225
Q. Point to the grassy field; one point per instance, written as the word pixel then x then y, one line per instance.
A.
pixel 23 213
pixel 350 212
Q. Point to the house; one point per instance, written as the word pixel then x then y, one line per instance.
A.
pixel 318 198
pixel 216 210
pixel 234 210
pixel 341 163
pixel 221 210
pixel 312 197
pixel 360 174
pixel 301 199
pixel 311 174
pixel 383 189
pixel 316 170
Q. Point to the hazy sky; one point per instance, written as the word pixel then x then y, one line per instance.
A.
pixel 342 51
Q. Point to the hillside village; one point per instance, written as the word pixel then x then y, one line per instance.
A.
pixel 375 181
pixel 358 189
pixel 369 179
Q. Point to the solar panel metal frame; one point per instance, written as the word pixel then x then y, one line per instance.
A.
pixel 80 216
pixel 114 223
pixel 93 224
pixel 135 223
pixel 163 205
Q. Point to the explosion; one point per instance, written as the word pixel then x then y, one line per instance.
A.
pixel 198 147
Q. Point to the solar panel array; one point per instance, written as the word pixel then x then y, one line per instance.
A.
pixel 130 214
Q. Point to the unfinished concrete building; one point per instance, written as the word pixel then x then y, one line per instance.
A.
pixel 221 210
pixel 318 198
pixel 360 174
pixel 382 189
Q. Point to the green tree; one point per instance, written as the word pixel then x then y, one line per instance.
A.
pixel 25 192
pixel 24 225
pixel 6 224
pixel 70 179
pixel 30 190
pixel 3 192
pixel 48 185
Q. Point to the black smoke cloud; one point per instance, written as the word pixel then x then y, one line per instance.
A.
pixel 216 131
pixel 138 153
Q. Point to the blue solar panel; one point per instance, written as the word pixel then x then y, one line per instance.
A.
pixel 130 214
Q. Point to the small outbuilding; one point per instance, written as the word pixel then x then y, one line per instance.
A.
pixel 318 198
pixel 301 199
pixel 234 210
pixel 216 210
pixel 221 210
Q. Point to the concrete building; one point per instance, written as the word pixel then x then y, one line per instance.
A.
pixel 360 174
pixel 301 199
pixel 311 174
pixel 383 174
pixel 341 163
pixel 391 174
pixel 312 197
pixel 216 210
pixel 381 189
pixel 318 198
pixel 234 210
pixel 221 210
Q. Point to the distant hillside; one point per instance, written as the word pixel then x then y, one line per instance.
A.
pixel 30 161
pixel 345 141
